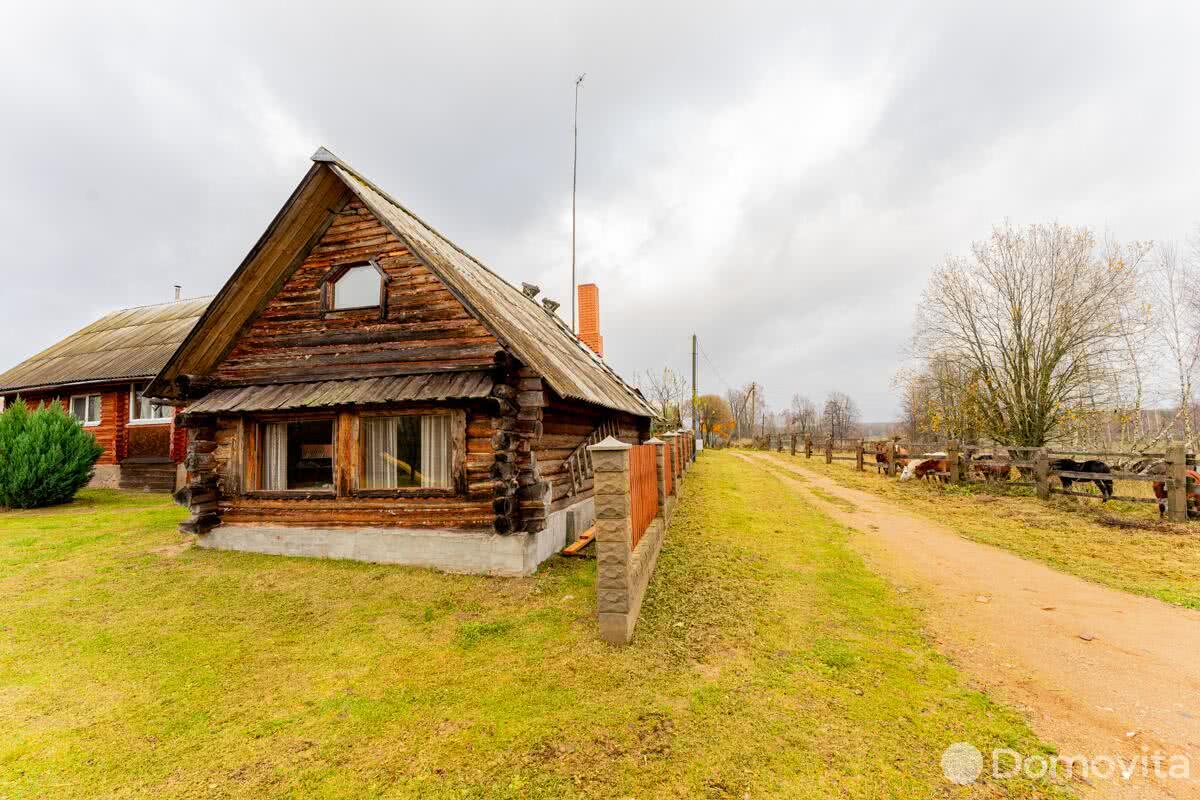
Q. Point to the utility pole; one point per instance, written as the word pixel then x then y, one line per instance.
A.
pixel 574 181
pixel 695 428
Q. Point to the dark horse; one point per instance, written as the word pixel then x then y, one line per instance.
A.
pixel 1098 467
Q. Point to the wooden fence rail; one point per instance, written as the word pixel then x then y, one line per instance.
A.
pixel 1175 478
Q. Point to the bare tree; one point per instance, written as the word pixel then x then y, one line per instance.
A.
pixel 747 405
pixel 666 392
pixel 840 415
pixel 803 416
pixel 1176 307
pixel 1030 313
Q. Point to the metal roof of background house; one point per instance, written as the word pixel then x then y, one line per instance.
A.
pixel 133 343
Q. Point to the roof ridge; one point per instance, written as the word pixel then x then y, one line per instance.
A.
pixel 156 305
pixel 324 155
pixel 318 156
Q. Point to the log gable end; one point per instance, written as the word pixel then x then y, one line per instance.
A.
pixel 421 326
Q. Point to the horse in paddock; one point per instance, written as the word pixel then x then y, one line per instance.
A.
pixel 926 467
pixel 1093 466
pixel 881 457
pixel 996 472
pixel 1159 467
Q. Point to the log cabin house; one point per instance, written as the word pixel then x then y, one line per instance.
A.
pixel 363 388
pixel 98 373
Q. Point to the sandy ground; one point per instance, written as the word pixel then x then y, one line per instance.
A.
pixel 1099 673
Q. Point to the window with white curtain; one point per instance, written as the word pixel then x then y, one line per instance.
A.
pixel 86 408
pixel 297 456
pixel 409 451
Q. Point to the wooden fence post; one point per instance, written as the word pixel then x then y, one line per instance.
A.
pixel 1177 488
pixel 1041 473
pixel 808 447
pixel 793 444
pixel 829 450
pixel 891 470
pixel 858 457
pixel 954 461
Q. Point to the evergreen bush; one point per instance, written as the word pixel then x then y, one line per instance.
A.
pixel 45 456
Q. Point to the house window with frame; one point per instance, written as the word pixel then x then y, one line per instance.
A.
pixel 358 287
pixel 297 456
pixel 143 410
pixel 407 451
pixel 86 408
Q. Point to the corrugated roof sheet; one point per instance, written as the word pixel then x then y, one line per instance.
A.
pixel 132 343
pixel 536 336
pixel 323 394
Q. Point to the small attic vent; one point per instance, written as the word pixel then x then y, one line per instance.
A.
pixel 530 290
pixel 550 305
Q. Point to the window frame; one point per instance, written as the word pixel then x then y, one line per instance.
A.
pixel 134 397
pixel 253 452
pixel 99 408
pixel 338 271
pixel 458 445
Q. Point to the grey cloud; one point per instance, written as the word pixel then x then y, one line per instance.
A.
pixel 149 144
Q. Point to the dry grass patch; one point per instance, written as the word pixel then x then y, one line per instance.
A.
pixel 1121 545
pixel 769 663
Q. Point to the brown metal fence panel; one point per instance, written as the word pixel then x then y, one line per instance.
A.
pixel 668 470
pixel 643 486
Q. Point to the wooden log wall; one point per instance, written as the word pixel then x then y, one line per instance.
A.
pixel 477 503
pixel 423 327
pixel 565 425
pixel 200 494
pixel 504 447
pixel 533 490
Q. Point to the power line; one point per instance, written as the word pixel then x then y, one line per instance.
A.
pixel 714 366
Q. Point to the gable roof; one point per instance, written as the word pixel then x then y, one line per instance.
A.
pixel 133 343
pixel 537 337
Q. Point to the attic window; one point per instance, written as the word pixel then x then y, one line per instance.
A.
pixel 355 286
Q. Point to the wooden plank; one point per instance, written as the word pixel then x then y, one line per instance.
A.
pixel 575 548
pixel 1107 476
pixel 346 456
pixel 1097 496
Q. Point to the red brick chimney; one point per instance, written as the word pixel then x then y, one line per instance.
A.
pixel 589 317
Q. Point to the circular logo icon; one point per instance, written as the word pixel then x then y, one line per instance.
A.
pixel 962 763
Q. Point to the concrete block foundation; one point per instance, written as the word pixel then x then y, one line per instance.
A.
pixel 106 476
pixel 473 552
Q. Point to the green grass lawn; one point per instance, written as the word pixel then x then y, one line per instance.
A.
pixel 769 662
pixel 1121 545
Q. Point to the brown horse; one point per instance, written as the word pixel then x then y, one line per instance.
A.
pixel 1160 489
pixel 925 468
pixel 996 472
pixel 881 457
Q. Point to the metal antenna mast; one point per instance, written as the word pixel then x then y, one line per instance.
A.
pixel 574 178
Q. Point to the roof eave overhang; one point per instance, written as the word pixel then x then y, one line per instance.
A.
pixel 164 383
pixel 76 384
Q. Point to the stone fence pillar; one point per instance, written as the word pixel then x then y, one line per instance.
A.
pixel 672 440
pixel 623 572
pixel 660 469
pixel 685 459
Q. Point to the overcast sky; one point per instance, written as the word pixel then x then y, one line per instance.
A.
pixel 777 178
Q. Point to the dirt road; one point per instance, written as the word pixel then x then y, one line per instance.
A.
pixel 1099 673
